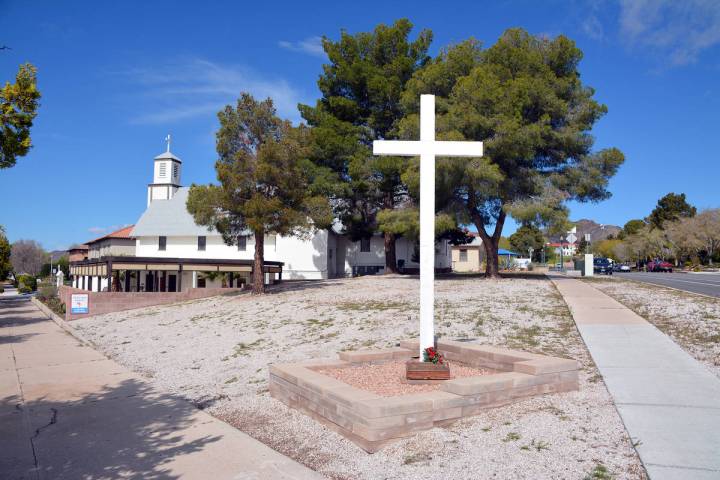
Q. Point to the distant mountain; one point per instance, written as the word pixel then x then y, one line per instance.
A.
pixel 596 230
pixel 56 254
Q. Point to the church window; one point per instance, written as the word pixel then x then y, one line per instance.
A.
pixel 163 169
pixel 242 243
pixel 202 242
pixel 162 243
pixel 365 244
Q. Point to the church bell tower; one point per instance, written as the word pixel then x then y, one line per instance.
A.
pixel 166 176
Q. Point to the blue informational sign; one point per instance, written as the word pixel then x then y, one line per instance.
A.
pixel 79 303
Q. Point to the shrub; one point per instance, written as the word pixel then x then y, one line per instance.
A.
pixel 530 267
pixel 27 281
pixel 55 305
pixel 2 289
pixel 47 292
pixel 24 289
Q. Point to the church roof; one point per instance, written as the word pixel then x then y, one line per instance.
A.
pixel 169 218
pixel 168 156
pixel 122 233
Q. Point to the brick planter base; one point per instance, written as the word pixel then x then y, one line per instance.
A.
pixel 371 421
pixel 417 370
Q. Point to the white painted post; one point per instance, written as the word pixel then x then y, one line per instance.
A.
pixel 589 267
pixel 427 225
pixel 194 279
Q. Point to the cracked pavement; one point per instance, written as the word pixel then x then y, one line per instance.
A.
pixel 68 412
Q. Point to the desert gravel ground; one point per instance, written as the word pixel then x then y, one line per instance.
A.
pixel 693 321
pixel 216 353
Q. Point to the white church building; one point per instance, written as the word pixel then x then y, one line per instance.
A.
pixel 173 253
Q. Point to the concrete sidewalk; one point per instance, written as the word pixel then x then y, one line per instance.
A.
pixel 67 412
pixel 669 402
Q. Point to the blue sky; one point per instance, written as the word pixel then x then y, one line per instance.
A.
pixel 116 77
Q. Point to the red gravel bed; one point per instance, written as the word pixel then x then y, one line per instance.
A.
pixel 388 379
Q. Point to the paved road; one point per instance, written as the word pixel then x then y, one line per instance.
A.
pixel 669 402
pixel 67 412
pixel 706 284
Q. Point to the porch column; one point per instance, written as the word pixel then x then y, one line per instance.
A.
pixel 194 279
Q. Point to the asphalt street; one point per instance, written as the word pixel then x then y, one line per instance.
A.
pixel 706 283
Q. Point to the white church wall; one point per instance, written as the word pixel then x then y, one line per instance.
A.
pixel 404 249
pixel 303 258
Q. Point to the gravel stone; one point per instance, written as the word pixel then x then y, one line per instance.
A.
pixel 216 352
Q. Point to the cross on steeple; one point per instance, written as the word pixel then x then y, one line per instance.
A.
pixel 167 139
pixel 427 148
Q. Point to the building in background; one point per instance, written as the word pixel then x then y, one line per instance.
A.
pixel 167 251
pixel 469 257
pixel 78 253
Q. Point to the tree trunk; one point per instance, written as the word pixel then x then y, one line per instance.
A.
pixel 258 274
pixel 390 257
pixel 491 244
pixel 492 268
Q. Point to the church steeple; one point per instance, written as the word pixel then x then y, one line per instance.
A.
pixel 166 176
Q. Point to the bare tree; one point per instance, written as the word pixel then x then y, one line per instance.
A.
pixel 27 256
pixel 707 231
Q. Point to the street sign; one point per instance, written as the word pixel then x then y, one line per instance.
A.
pixel 571 238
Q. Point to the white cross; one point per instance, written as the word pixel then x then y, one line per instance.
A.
pixel 167 139
pixel 428 148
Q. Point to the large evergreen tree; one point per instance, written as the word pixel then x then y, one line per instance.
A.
pixel 670 208
pixel 524 99
pixel 265 180
pixel 18 107
pixel 361 88
pixel 527 237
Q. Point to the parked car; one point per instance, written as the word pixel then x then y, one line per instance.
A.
pixel 621 267
pixel 659 266
pixel 602 265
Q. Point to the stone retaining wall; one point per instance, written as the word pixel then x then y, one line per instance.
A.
pixel 371 421
pixel 108 302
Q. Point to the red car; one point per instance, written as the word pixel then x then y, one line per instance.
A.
pixel 659 266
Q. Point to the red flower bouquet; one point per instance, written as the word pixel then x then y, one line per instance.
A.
pixel 433 356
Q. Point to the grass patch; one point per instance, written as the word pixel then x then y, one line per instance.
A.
pixel 523 337
pixel 371 305
pixel 511 437
pixel 416 458
pixel 244 348
pixel 600 472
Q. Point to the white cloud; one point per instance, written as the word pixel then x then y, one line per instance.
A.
pixel 592 27
pixel 311 46
pixel 678 30
pixel 195 87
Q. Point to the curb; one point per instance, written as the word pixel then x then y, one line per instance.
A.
pixel 59 320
